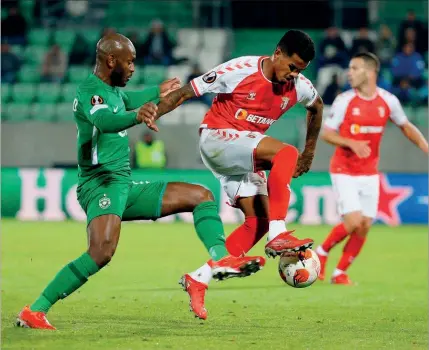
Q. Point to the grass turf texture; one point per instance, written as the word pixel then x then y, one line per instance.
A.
pixel 136 303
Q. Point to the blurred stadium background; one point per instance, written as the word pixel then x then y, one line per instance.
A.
pixel 48 47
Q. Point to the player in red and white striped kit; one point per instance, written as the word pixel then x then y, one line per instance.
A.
pixel 252 93
pixel 355 126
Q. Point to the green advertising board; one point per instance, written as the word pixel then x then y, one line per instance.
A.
pixel 50 194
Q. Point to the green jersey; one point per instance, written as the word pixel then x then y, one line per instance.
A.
pixel 102 115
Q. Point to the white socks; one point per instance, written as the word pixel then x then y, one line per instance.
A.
pixel 203 274
pixel 321 251
pixel 337 273
pixel 276 227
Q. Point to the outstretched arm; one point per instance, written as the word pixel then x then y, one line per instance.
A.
pixel 170 102
pixel 174 99
pixel 314 122
pixel 415 136
pixel 135 99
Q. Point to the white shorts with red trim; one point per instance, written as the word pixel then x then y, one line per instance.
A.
pixel 229 154
pixel 356 193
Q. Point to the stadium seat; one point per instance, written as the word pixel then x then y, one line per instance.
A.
pixel 91 36
pixel 189 38
pixel 153 75
pixel 43 112
pixel 39 37
pixel 68 92
pixel 18 50
pixel 64 112
pixel 64 38
pixel 77 74
pixel 214 39
pixel 181 71
pixel 23 93
pixel 29 74
pixel 48 93
pixel 421 116
pixel 34 55
pixel 194 112
pixel 175 117
pixel 5 92
pixel 17 112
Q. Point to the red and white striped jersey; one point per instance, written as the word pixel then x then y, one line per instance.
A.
pixel 246 100
pixel 355 117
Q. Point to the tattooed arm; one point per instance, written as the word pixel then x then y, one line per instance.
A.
pixel 314 122
pixel 168 103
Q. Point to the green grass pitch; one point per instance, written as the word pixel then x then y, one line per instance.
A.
pixel 136 303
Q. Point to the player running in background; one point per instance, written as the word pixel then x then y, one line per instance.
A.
pixel 355 126
pixel 106 191
pixel 252 93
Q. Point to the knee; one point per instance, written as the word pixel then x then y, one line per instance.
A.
pixel 289 151
pixel 353 222
pixel 201 195
pixel 103 254
pixel 364 227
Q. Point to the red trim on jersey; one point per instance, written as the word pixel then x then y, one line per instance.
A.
pixel 194 86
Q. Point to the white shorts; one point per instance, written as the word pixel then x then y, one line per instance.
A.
pixel 356 193
pixel 229 154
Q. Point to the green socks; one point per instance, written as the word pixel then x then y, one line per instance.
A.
pixel 71 277
pixel 209 228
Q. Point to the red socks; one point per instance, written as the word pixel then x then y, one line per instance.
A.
pixel 283 167
pixel 243 238
pixel 337 234
pixel 351 251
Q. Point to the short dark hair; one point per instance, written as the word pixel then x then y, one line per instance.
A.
pixel 370 59
pixel 296 41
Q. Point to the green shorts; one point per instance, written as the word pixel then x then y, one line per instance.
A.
pixel 135 200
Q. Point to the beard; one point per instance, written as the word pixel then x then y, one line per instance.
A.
pixel 117 76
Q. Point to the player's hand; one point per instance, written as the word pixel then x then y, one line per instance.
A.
pixel 147 115
pixel 303 164
pixel 168 86
pixel 360 148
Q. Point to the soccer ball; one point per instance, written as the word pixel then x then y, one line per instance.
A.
pixel 300 269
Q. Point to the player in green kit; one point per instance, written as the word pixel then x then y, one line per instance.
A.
pixel 106 190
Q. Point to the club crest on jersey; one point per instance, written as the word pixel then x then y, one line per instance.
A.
pixel 210 77
pixel 96 100
pixel 251 95
pixel 104 202
pixel 381 112
pixel 285 101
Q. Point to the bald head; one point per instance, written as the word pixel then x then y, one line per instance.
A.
pixel 116 55
pixel 114 44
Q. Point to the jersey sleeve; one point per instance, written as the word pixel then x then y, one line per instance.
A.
pixel 98 113
pixel 337 113
pixel 136 99
pixel 225 77
pixel 397 114
pixel 305 91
